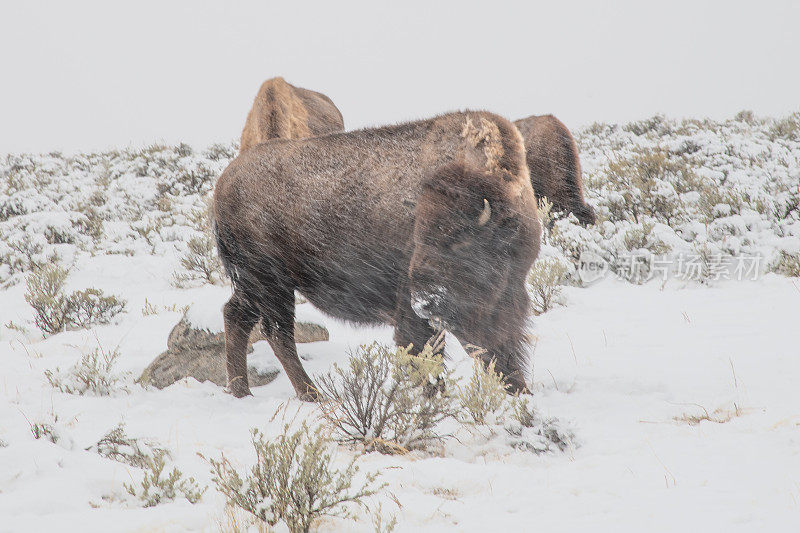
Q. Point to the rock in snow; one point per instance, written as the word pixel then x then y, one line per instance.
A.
pixel 199 353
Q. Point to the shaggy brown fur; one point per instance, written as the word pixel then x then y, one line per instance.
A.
pixel 554 164
pixel 431 222
pixel 283 111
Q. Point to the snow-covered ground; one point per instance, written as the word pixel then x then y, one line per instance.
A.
pixel 631 368
pixel 621 362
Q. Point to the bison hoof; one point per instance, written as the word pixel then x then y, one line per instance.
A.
pixel 518 388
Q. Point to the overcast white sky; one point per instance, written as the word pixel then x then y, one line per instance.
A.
pixel 90 75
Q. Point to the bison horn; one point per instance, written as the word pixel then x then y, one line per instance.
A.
pixel 485 214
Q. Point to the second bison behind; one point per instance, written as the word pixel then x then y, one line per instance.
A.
pixel 428 222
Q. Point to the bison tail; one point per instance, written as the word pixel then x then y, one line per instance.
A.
pixel 226 254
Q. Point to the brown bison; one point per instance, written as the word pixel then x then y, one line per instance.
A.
pixel 283 111
pixel 430 222
pixel 555 168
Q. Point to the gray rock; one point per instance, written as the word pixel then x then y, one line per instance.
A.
pixel 303 332
pixel 200 354
pixel 309 332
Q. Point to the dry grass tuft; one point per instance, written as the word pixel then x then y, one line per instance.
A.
pixel 720 415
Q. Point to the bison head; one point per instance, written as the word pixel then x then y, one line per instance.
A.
pixel 468 233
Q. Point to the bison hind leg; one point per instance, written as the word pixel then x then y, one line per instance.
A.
pixel 240 318
pixel 276 308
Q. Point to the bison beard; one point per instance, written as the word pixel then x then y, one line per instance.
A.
pixel 429 222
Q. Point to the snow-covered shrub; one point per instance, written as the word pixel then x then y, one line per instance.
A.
pixel 641 237
pixel 747 116
pixel 157 487
pixel 94 373
pixel 522 412
pixel 118 446
pixel 787 264
pixel 715 202
pixel 294 480
pixel 56 310
pixel 787 128
pixel 644 185
pixel 529 432
pixel 544 283
pixel 151 309
pixel 44 430
pixel 45 294
pixel 545 212
pixel 91 223
pixel 387 399
pixel 120 201
pixel 483 398
pixel 200 262
pixel 92 306
pixel 382 522
pixel 654 124
pixel 21 253
pixel 193 178
pixel 219 151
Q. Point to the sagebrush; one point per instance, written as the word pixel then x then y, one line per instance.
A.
pixel 545 284
pixel 93 373
pixel 527 431
pixel 55 310
pixel 294 480
pixel 157 487
pixel 388 399
pixel 200 263
pixel 787 264
pixel 484 397
pixel 118 446
pixel 44 430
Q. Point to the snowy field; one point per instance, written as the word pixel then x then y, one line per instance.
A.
pixel 681 393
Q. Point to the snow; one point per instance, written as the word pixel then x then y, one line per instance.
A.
pixel 206 313
pixel 624 366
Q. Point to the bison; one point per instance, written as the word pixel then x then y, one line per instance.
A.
pixel 283 111
pixel 420 225
pixel 555 168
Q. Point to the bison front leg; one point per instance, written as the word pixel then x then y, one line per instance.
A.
pixel 505 337
pixel 240 317
pixel 283 344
